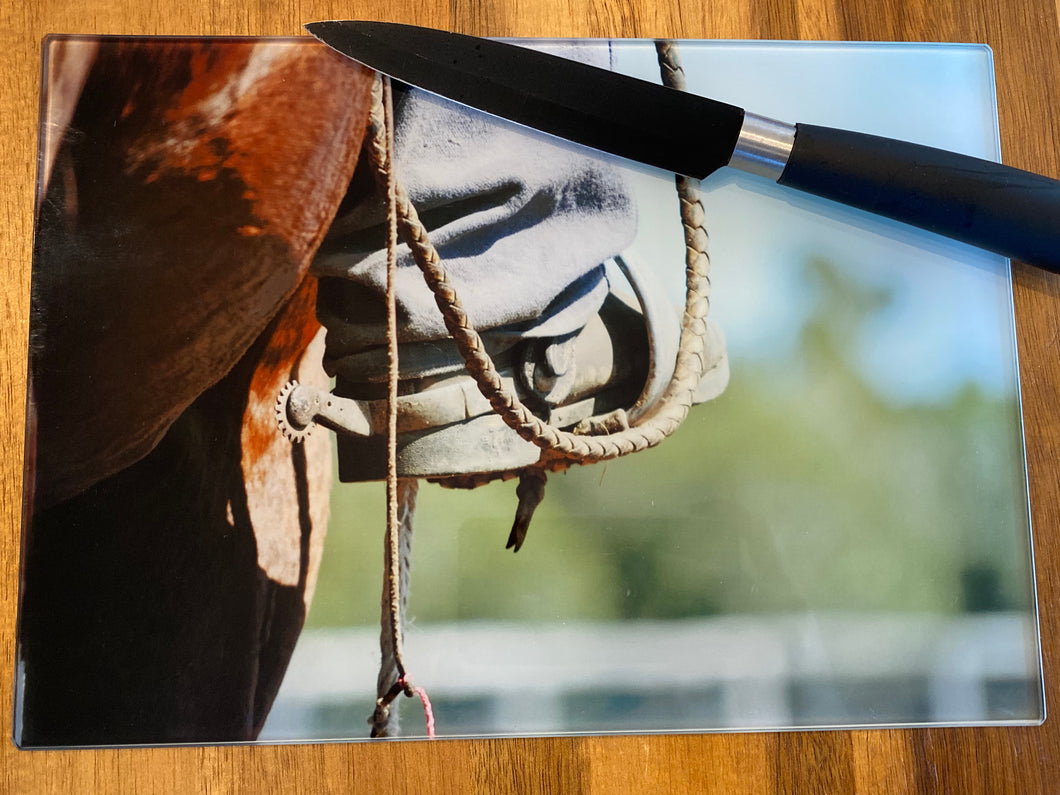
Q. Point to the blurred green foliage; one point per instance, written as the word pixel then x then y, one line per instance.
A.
pixel 799 488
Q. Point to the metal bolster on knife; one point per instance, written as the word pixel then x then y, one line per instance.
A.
pixel 763 146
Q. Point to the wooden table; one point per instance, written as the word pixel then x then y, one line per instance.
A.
pixel 1025 37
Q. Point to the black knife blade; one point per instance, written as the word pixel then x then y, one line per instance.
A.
pixel 1012 212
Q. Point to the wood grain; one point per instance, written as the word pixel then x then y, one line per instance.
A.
pixel 1025 37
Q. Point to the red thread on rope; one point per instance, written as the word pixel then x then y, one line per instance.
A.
pixel 428 711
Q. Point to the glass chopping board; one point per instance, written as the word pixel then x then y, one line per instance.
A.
pixel 839 537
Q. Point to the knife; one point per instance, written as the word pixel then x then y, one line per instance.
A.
pixel 1002 209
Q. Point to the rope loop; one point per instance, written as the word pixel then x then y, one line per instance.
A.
pixel 650 429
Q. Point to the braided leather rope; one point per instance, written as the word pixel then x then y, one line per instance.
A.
pixel 601 439
pixel 393 678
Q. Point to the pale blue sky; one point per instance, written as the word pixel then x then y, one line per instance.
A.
pixel 950 322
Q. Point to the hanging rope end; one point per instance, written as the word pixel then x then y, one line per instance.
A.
pixel 415 691
pixel 531 491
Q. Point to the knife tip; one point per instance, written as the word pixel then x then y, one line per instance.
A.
pixel 330 31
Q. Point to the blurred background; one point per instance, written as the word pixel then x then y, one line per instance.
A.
pixel 841 538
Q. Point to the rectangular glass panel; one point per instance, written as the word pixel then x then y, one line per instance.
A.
pixel 838 537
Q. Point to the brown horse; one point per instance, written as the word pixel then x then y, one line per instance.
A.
pixel 172 534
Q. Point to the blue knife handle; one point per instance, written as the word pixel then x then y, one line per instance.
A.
pixel 995 207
